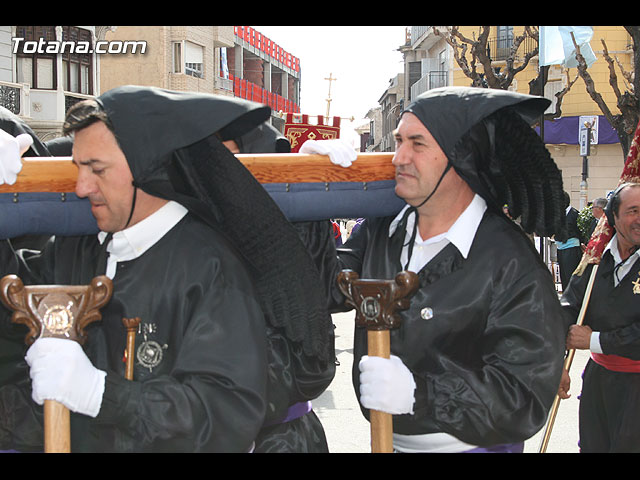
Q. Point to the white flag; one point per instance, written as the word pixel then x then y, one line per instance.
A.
pixel 223 62
pixel 556 45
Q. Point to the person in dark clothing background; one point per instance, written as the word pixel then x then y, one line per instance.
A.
pixel 569 251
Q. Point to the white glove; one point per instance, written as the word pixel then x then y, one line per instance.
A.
pixel 386 385
pixel 11 150
pixel 61 371
pixel 339 151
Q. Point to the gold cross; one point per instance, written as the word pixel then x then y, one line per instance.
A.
pixel 331 79
pixel 636 286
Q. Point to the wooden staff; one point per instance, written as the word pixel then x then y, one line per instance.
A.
pixel 59 174
pixel 376 303
pixel 567 362
pixel 379 345
pixel 57 311
pixel 131 325
pixel 57 428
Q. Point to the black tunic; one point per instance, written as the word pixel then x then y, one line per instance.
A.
pixel 487 364
pixel 609 420
pixel 197 302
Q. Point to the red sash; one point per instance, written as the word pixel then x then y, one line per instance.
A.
pixel 616 363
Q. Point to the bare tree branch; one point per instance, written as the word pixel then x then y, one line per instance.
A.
pixel 469 52
pixel 451 36
pixel 560 96
pixel 590 84
pixel 634 33
pixel 624 123
pixel 627 76
pixel 479 51
pixel 613 78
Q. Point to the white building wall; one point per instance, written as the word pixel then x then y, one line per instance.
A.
pixel 6 71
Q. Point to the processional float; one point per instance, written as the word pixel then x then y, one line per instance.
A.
pixel 305 187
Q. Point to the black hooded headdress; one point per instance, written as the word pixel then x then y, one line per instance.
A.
pixel 264 139
pixel 172 142
pixel 14 125
pixel 486 134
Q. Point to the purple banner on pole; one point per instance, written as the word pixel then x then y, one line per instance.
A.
pixel 565 130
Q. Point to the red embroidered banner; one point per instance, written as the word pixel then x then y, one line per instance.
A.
pixel 298 130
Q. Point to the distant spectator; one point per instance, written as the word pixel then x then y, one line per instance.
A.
pixel 337 234
pixel 597 209
pixel 569 252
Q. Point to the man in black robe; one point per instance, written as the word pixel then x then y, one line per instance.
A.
pixel 295 376
pixel 570 251
pixel 608 416
pixel 187 256
pixel 477 359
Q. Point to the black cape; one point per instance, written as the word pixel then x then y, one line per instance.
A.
pixel 203 390
pixel 483 336
pixel 183 160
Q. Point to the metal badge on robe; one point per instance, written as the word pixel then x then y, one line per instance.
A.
pixel 150 352
pixel 636 285
pixel 426 313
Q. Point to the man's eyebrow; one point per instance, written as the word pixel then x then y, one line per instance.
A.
pixel 90 161
pixel 416 136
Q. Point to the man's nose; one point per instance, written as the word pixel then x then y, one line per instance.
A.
pixel 400 156
pixel 84 185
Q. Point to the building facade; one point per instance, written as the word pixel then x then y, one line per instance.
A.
pixel 44 70
pixel 391 103
pixel 225 60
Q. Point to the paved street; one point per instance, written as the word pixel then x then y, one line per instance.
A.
pixel 348 432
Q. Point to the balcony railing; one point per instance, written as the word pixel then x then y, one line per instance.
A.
pixel 71 98
pixel 222 83
pixel 250 91
pixel 499 49
pixel 433 79
pixel 417 32
pixel 12 97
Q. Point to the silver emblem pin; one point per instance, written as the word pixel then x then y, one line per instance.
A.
pixel 426 313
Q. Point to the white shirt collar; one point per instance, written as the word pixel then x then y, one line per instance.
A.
pixel 615 252
pixel 461 233
pixel 132 242
pixel 622 267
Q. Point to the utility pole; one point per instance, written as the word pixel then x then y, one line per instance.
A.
pixel 585 150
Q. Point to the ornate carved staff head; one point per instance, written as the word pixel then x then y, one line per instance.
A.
pixel 378 301
pixel 61 311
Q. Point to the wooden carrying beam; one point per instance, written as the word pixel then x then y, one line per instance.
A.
pixel 59 174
